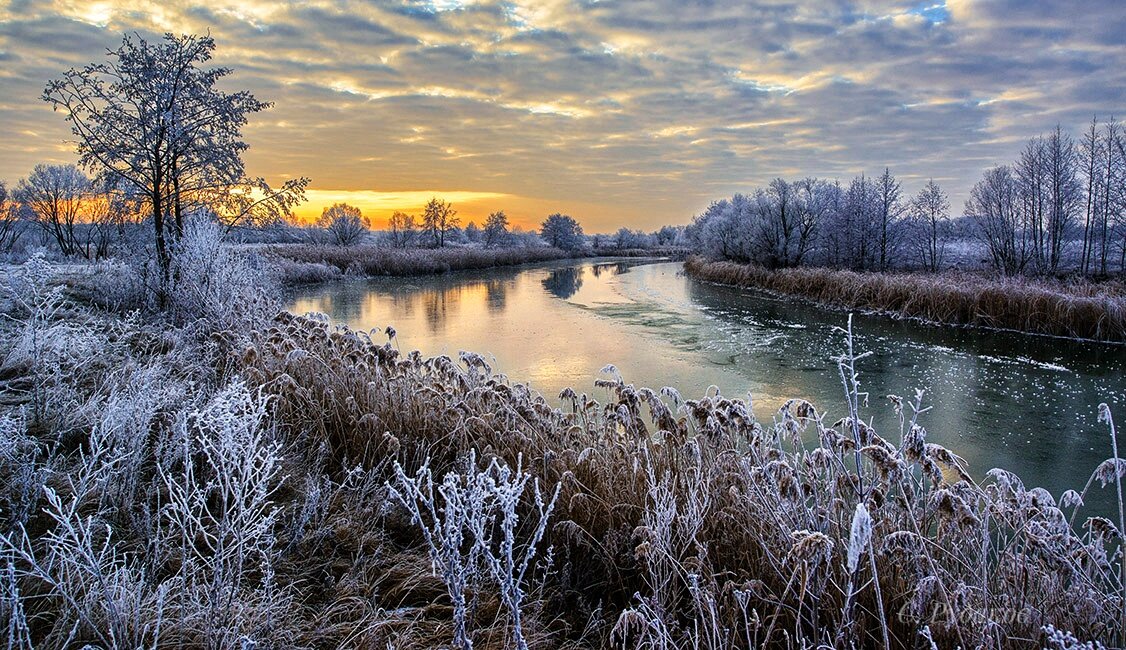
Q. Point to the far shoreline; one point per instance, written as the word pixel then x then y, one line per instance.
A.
pixel 303 264
pixel 1078 310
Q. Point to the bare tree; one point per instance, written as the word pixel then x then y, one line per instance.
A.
pixel 1029 171
pixel 10 227
pixel 929 210
pixel 1064 194
pixel 438 220
pixel 56 196
pixel 993 205
pixel 1113 192
pixel 890 209
pixel 1051 195
pixel 402 229
pixel 151 118
pixel 1092 150
pixel 345 224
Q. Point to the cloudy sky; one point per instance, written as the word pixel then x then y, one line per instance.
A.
pixel 633 112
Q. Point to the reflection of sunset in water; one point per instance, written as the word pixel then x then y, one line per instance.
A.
pixel 995 396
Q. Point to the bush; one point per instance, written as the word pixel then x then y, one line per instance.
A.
pixel 216 285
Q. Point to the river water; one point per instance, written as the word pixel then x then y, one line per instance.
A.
pixel 1024 403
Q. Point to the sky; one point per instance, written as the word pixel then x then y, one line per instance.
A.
pixel 635 113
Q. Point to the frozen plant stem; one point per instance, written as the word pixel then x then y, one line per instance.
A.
pixel 1104 415
pixel 846 364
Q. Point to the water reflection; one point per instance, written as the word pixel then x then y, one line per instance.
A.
pixel 564 283
pixel 1024 403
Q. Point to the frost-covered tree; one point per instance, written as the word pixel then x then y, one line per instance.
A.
pixel 1064 194
pixel 930 209
pixel 861 207
pixel 626 238
pixel 721 230
pixel 153 119
pixel 344 223
pixel 784 219
pixel 496 229
pixel 668 235
pixel 438 219
pixel 57 196
pixel 402 230
pixel 994 208
pixel 562 231
pixel 889 211
pixel 473 233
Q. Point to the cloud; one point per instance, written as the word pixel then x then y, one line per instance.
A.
pixel 616 112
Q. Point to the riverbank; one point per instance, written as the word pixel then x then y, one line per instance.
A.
pixel 1078 309
pixel 242 479
pixel 307 264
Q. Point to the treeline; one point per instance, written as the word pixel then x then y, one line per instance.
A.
pixel 1060 208
pixel 439 226
pixel 867 225
pixel 61 207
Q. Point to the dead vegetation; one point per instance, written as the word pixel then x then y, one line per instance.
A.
pixel 283 482
pixel 312 263
pixel 1073 308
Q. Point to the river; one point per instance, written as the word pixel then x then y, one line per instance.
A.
pixel 999 399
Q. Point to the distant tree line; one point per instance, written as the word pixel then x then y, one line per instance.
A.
pixel 867 225
pixel 1060 208
pixel 439 226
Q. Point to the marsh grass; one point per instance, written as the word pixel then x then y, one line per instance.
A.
pixel 297 484
pixel 369 260
pixel 1071 308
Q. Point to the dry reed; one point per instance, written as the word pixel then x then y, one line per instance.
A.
pixel 367 260
pixel 1072 308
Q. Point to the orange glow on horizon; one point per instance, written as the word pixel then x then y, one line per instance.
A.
pixel 378 206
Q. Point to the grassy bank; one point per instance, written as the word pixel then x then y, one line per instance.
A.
pixel 1074 308
pixel 301 263
pixel 220 478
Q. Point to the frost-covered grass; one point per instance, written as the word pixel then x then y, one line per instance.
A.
pixel 302 263
pixel 1072 308
pixel 236 481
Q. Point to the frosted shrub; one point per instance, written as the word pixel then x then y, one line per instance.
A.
pixel 119 449
pixel 444 516
pixel 119 286
pixel 495 534
pixel 676 510
pixel 21 472
pixel 220 515
pixel 50 350
pixel 470 524
pixel 102 592
pixel 216 285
